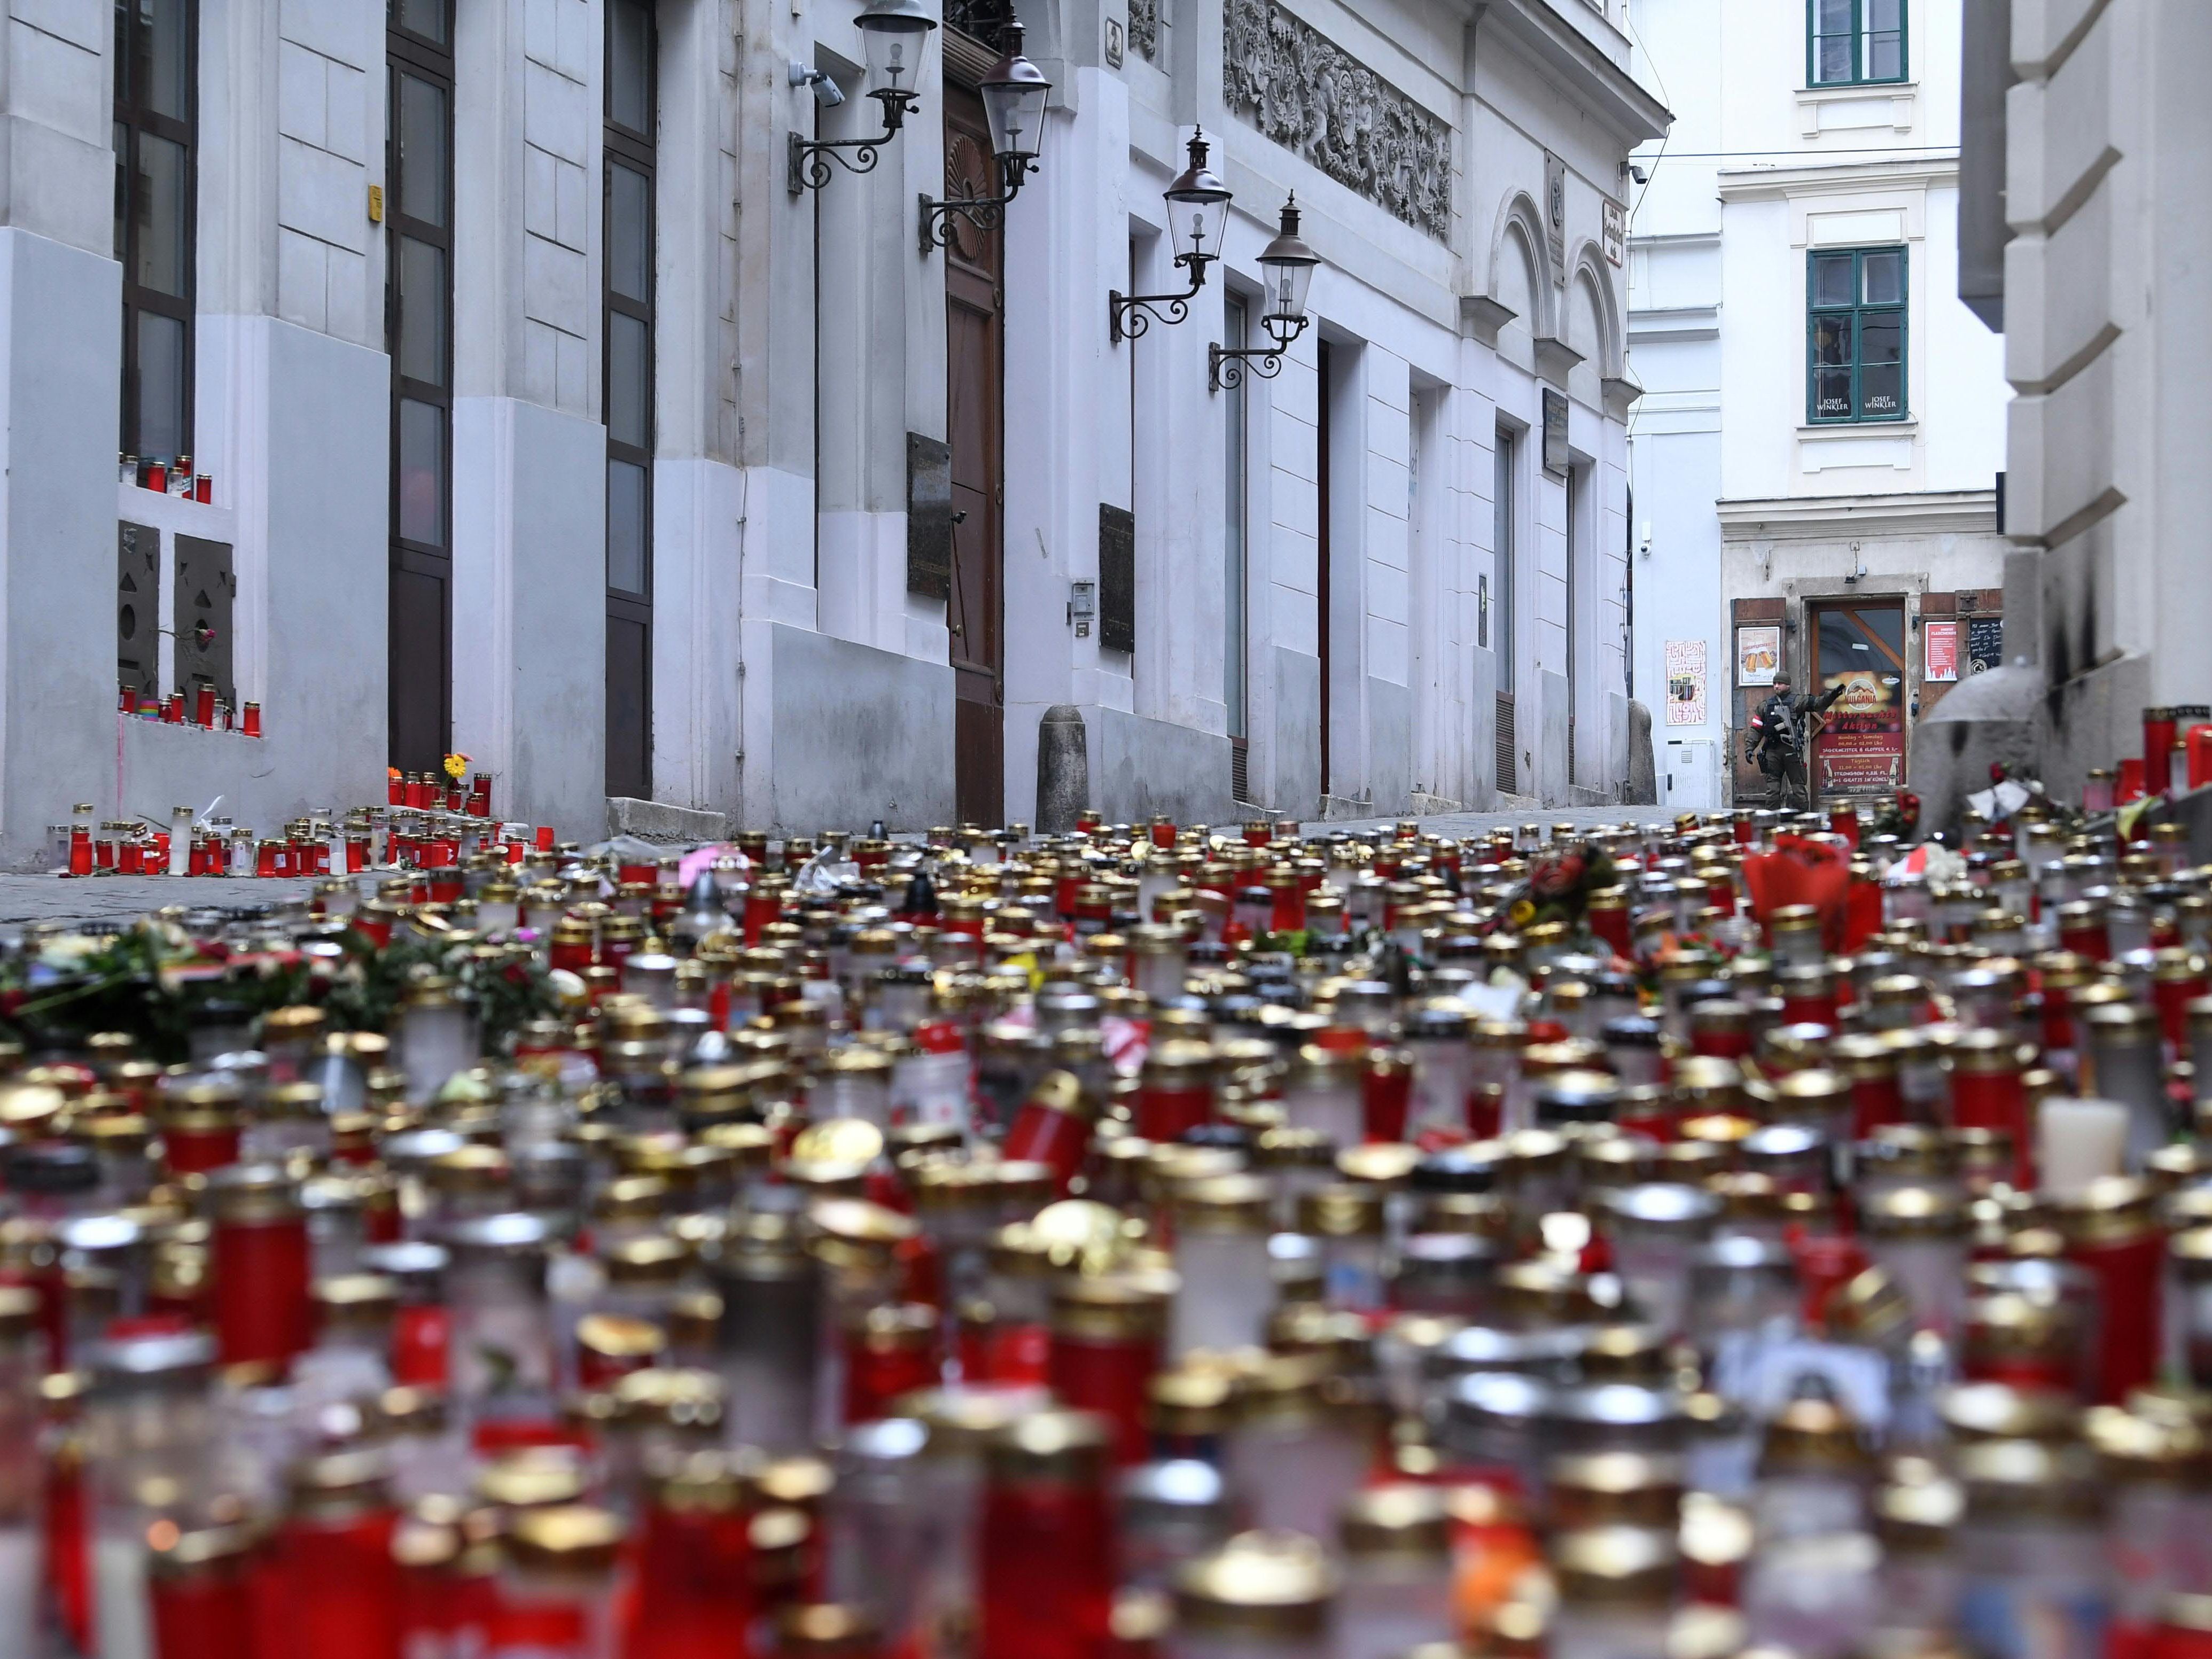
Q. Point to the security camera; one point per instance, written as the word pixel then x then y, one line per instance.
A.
pixel 827 91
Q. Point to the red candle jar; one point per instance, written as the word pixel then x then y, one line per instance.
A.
pixel 262 1266
pixel 1258 832
pixel 1053 1128
pixel 1175 1091
pixel 1045 1553
pixel 1106 1336
pixel 695 1563
pixel 1089 821
pixel 1386 1095
pixel 2158 729
pixel 2199 742
pixel 2082 930
pixel 1987 1093
pixel 126 701
pixel 2112 1228
pixel 340 1583
pixel 2177 980
pixel 1845 821
pixel 80 853
pixel 173 709
pixel 1287 912
pixel 129 858
pixel 889 1351
pixel 2021 1342
pixel 1721 1028
pixel 1608 919
pixel 154 476
pixel 200 1595
pixel 251 719
pixel 480 795
pixel 1877 1098
pixel 204 705
pixel 2129 786
pixel 1164 832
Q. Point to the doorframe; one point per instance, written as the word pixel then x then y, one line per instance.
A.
pixel 961 83
pixel 1808 605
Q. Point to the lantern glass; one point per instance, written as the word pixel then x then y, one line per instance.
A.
pixel 1289 263
pixel 1014 95
pixel 893 33
pixel 1198 209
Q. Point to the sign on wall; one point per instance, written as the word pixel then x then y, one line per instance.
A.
pixel 1939 651
pixel 1616 233
pixel 1558 457
pixel 1985 643
pixel 1685 682
pixel 1555 215
pixel 1757 655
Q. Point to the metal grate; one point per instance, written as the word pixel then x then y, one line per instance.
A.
pixel 1239 780
pixel 1509 745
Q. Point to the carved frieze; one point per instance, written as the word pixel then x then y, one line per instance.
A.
pixel 1312 96
pixel 1144 27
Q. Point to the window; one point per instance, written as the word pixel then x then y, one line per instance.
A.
pixel 1235 642
pixel 1855 332
pixel 626 332
pixel 419 335
pixel 1854 42
pixel 154 115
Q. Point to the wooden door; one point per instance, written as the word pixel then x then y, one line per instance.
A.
pixel 975 397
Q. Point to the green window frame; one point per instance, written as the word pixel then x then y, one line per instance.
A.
pixel 1857 43
pixel 1857 302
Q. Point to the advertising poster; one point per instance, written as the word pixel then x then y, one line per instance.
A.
pixel 1758 654
pixel 1685 682
pixel 1862 743
pixel 1939 651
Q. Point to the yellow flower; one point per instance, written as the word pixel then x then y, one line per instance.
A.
pixel 1522 913
pixel 455 765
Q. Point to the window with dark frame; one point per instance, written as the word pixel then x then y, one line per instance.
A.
pixel 419 329
pixel 1850 43
pixel 627 336
pixel 155 132
pixel 1855 335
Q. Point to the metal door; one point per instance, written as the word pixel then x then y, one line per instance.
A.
pixel 974 397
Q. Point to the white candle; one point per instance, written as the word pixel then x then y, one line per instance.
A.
pixel 2079 1140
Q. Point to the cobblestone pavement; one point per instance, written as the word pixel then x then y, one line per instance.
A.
pixel 29 898
pixel 122 898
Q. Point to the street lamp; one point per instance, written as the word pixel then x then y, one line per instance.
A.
pixel 892 34
pixel 1014 93
pixel 1290 265
pixel 1198 211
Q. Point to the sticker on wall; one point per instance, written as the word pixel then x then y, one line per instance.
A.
pixel 1757 655
pixel 1685 682
pixel 1939 651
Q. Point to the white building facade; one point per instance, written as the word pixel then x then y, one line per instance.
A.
pixel 2089 204
pixel 1815 458
pixel 548 413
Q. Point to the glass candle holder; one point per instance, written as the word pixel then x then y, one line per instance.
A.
pixel 340 1584
pixel 200 1600
pixel 557 1586
pixel 1175 1093
pixel 1046 1545
pixel 2034 1575
pixel 263 1266
pixel 437 1038
pixel 1918 1235
pixel 1261 1595
pixel 1615 1586
pixel 502 1335
pixel 1054 1127
pixel 1397 1591
pixel 1223 1294
pixel 1107 1336
pixel 1655 1231
pixel 1300 1442
pixel 2124 1064
pixel 2111 1229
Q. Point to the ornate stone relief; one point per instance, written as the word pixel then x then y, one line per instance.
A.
pixel 1311 95
pixel 1144 27
pixel 982 19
